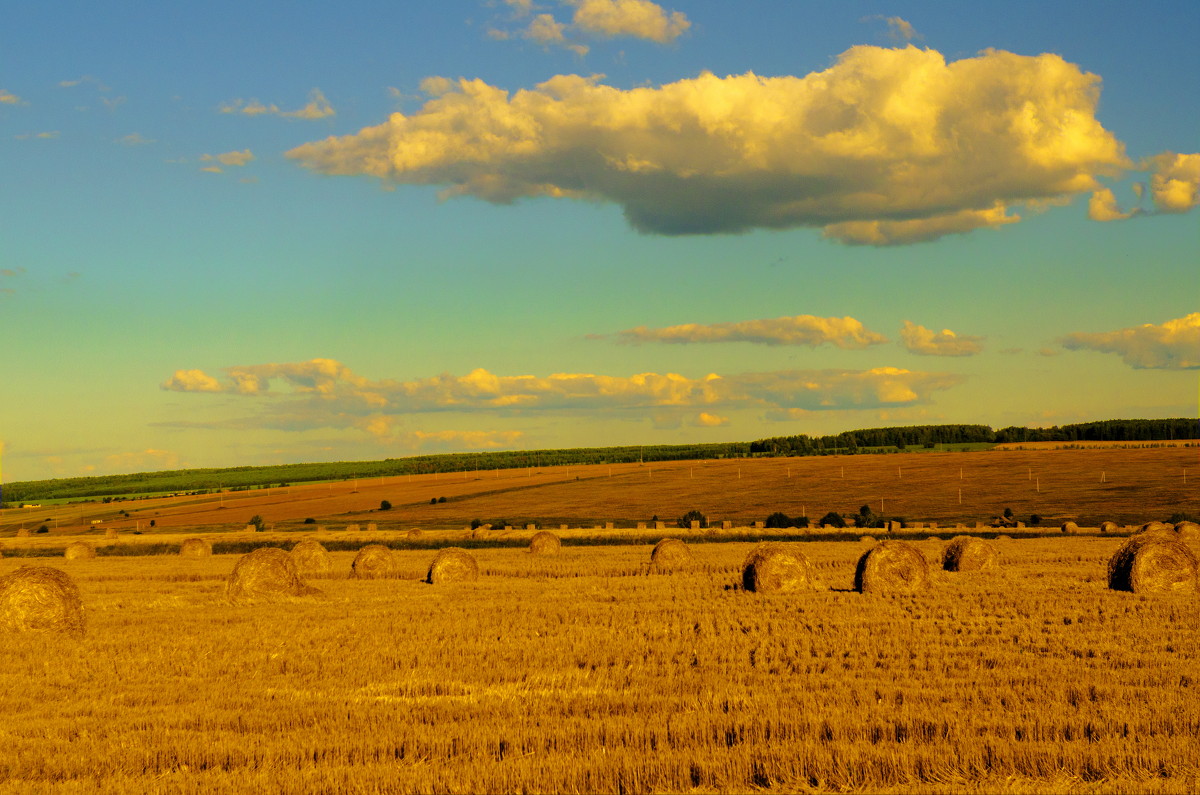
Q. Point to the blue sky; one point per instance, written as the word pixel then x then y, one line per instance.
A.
pixel 218 245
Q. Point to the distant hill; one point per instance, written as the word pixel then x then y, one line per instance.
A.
pixel 869 440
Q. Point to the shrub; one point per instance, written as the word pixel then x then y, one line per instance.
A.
pixel 778 519
pixel 833 519
pixel 476 524
pixel 258 523
pixel 685 521
pixel 1035 519
pixel 384 505
pixel 441 499
pixel 310 520
pixel 1008 513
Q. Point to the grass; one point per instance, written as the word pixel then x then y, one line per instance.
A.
pixel 588 672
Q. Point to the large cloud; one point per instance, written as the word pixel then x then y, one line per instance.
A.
pixel 927 342
pixel 325 393
pixel 844 332
pixel 886 146
pixel 1174 345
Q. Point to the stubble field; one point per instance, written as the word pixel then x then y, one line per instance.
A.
pixel 590 671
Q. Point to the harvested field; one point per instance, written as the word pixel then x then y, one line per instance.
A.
pixel 1046 681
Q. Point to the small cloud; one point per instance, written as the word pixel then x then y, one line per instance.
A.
pixel 318 107
pixel 706 420
pixel 1102 206
pixel 1175 182
pixel 844 332
pixel 640 19
pixel 9 98
pixel 235 159
pixel 42 136
pixel 1048 352
pixel 191 381
pixel 926 342
pixel 142 461
pixel 901 29
pixel 135 139
pixel 85 80
pixel 1174 345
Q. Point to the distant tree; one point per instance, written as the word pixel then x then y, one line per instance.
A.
pixel 384 505
pixel 1035 520
pixel 1008 513
pixel 310 520
pixel 833 519
pixel 258 523
pixel 686 520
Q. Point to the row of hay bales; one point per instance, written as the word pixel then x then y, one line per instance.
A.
pixel 40 598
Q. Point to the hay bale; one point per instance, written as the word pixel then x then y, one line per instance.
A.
pixel 374 562
pixel 772 567
pixel 867 539
pixel 671 553
pixel 40 599
pixel 414 533
pixel 1070 527
pixel 353 528
pixel 23 532
pixel 1148 526
pixel 1109 527
pixel 372 527
pixel 1187 531
pixel 1153 562
pixel 891 567
pixel 544 543
pixel 266 573
pixel 452 564
pixel 110 533
pixel 195 548
pixel 968 554
pixel 79 550
pixel 311 557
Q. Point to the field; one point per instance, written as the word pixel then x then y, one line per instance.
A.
pixel 590 672
pixel 1125 485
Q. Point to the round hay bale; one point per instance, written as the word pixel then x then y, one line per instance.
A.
pixel 452 564
pixel 40 599
pixel 23 532
pixel 1188 531
pixel 671 553
pixel 79 550
pixel 415 533
pixel 1070 527
pixel 891 567
pixel 311 557
pixel 968 554
pixel 110 533
pixel 544 543
pixel 867 539
pixel 195 548
pixel 1109 527
pixel 772 567
pixel 373 562
pixel 1148 526
pixel 1153 562
pixel 267 572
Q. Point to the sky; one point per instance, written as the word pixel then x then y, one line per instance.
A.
pixel 276 232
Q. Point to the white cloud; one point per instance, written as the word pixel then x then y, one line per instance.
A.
pixel 134 139
pixel 9 98
pixel 706 420
pixel 325 393
pixel 1102 206
pixel 235 158
pixel 636 18
pixel 926 342
pixel 844 332
pixel 1175 182
pixel 901 29
pixel 142 461
pixel 1174 345
pixel 318 107
pixel 883 147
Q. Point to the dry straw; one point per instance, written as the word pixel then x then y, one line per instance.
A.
pixel 40 599
pixel 265 573
pixel 1070 527
pixel 968 554
pixel 671 553
pixel 891 567
pixel 772 567
pixel 23 532
pixel 544 543
pixel 452 564
pixel 415 533
pixel 373 562
pixel 1148 526
pixel 79 550
pixel 1153 562
pixel 311 557
pixel 1188 531
pixel 195 548
pixel 1109 527
pixel 110 533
